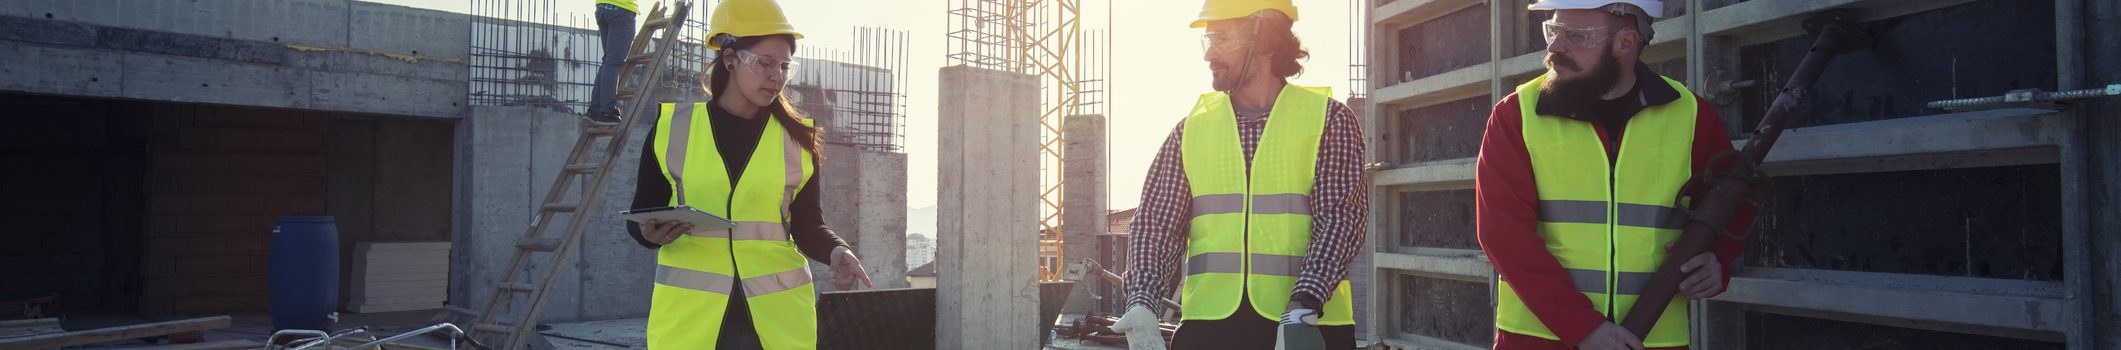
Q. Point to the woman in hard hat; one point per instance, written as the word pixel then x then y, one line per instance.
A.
pixel 748 156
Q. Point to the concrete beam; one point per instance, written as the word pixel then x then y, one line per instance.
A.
pixel 1402 13
pixel 151 58
pixel 1915 301
pixel 1409 341
pixel 987 293
pixel 1944 141
pixel 1446 263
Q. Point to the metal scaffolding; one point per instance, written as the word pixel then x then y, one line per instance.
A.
pixel 531 53
pixel 1043 38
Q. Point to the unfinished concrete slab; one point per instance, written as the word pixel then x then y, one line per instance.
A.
pixel 987 293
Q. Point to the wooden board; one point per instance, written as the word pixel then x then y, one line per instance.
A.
pixel 403 246
pixel 398 276
pixel 92 336
pixel 233 344
pixel 20 328
pixel 371 308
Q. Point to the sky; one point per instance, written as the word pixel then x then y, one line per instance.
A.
pixel 1156 75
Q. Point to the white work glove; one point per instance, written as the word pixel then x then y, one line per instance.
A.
pixel 1143 330
pixel 1304 316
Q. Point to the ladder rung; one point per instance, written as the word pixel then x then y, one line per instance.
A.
pixel 640 58
pixel 593 129
pixel 540 244
pixel 518 286
pixel 580 168
pixel 625 96
pixel 489 327
pixel 655 23
pixel 561 206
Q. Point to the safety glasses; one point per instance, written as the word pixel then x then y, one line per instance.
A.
pixel 762 64
pixel 1577 37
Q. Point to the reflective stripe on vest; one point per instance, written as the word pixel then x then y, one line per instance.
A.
pixel 1607 221
pixel 1251 226
pixel 697 271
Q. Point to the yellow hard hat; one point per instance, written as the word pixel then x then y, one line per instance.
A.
pixel 742 18
pixel 1216 10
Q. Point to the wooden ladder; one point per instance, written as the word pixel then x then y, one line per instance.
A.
pixel 515 328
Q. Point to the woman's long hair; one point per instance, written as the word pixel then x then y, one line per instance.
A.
pixel 718 80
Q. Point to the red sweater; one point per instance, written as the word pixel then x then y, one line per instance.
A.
pixel 1507 202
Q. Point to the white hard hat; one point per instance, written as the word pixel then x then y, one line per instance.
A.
pixel 1653 8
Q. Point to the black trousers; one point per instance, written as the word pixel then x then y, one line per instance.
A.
pixel 737 331
pixel 1244 330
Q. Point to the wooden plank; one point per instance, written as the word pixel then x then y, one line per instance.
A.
pixel 402 246
pixel 233 344
pixel 99 335
pixel 407 299
pixel 19 328
pixel 373 308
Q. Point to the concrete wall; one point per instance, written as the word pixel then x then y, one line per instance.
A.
pixel 341 55
pixel 864 198
pixel 987 295
pixel 1085 172
pixel 506 157
pixel 388 180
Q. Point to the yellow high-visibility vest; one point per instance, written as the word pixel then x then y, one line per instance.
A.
pixel 624 4
pixel 1251 229
pixel 1607 222
pixel 696 272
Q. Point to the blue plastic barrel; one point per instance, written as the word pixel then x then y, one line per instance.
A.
pixel 304 272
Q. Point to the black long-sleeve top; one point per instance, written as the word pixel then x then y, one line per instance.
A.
pixel 736 138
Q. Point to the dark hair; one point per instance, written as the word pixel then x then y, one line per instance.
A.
pixel 1284 52
pixel 717 80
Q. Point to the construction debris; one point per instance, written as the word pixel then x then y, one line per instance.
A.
pixel 92 336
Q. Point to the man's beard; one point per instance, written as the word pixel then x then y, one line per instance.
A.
pixel 1225 77
pixel 1583 90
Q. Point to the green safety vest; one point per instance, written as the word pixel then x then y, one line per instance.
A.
pixel 1607 223
pixel 695 273
pixel 1250 230
pixel 624 4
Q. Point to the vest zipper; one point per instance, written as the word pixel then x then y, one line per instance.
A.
pixel 1612 250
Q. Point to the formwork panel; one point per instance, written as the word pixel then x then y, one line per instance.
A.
pixel 1984 48
pixel 1991 222
pixel 1777 331
pixel 1456 311
pixel 1449 130
pixel 1449 42
pixel 1438 219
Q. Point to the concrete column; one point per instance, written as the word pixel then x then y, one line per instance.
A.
pixel 1084 203
pixel 986 290
pixel 864 197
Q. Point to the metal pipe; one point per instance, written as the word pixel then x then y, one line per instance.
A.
pixel 2025 96
pixel 1727 193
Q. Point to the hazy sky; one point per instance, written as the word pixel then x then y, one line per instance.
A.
pixel 1157 69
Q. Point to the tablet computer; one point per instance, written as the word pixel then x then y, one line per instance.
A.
pixel 700 220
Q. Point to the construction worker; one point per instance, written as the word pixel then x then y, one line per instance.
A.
pixel 615 25
pixel 1576 182
pixel 748 156
pixel 1261 188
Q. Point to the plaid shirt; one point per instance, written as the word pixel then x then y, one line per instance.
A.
pixel 1340 209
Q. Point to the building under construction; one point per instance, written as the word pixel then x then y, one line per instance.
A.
pixel 1897 222
pixel 154 144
